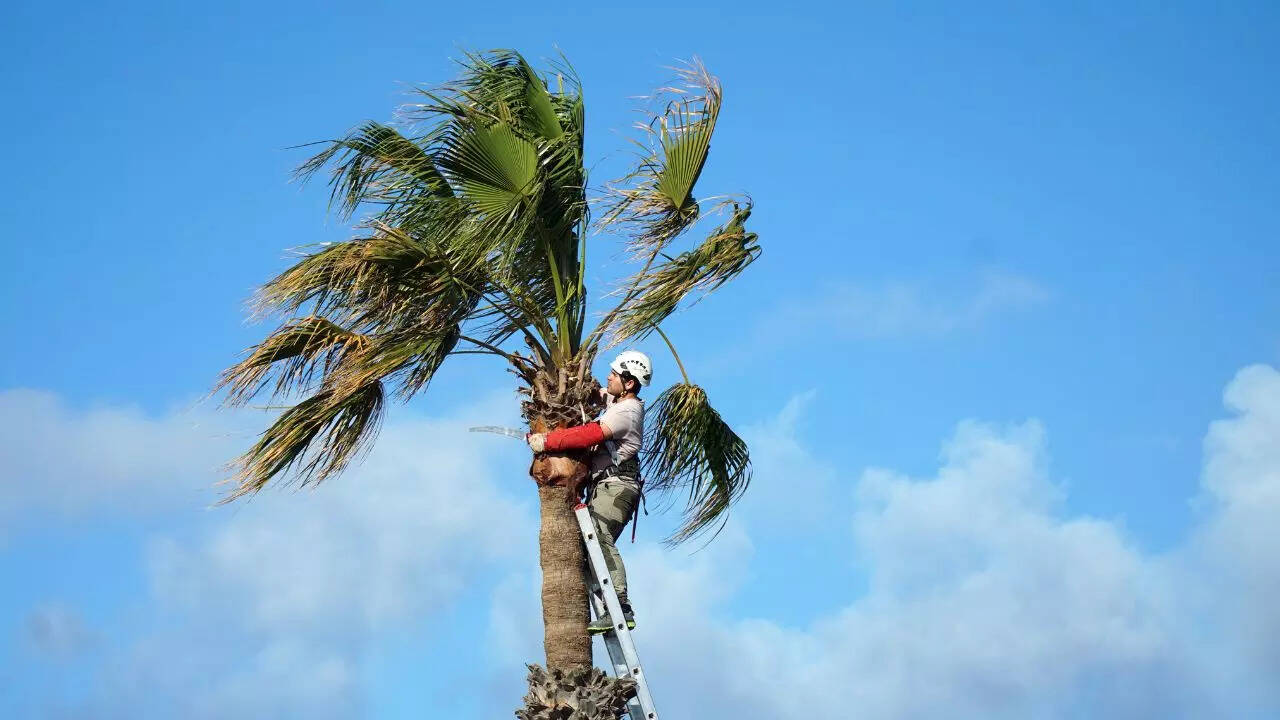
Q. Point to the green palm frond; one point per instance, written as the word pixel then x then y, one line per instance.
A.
pixel 493 167
pixel 511 147
pixel 501 86
pixel 347 277
pixel 476 236
pixel 542 115
pixel 655 200
pixel 689 447
pixel 726 252
pixel 376 281
pixel 294 352
pixel 375 163
pixel 316 439
pixel 408 356
pixel 341 413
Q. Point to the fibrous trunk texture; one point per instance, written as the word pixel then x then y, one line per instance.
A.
pixel 558 398
pixel 564 594
pixel 580 694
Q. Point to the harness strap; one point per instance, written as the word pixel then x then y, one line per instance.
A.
pixel 628 469
pixel 635 511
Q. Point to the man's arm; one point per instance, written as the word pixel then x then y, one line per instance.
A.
pixel 573 438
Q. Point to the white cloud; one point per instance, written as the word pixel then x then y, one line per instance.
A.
pixel 197 672
pixel 776 452
pixel 983 597
pixel 315 578
pixel 65 462
pixel 394 535
pixel 984 600
pixel 899 309
pixel 270 606
pixel 1229 573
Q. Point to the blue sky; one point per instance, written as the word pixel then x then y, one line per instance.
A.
pixel 1006 363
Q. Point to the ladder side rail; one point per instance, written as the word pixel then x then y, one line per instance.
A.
pixel 611 645
pixel 620 632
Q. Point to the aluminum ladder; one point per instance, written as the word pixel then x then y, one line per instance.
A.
pixel 622 649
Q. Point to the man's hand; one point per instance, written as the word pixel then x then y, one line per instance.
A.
pixel 537 441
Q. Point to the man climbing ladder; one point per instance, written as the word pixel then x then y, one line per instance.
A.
pixel 615 488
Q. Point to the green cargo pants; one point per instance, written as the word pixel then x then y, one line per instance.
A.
pixel 612 504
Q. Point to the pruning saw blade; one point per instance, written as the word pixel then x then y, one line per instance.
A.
pixel 499 430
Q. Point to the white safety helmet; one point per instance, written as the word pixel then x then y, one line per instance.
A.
pixel 634 362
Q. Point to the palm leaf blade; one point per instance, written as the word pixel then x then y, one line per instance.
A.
pixel 343 425
pixel 656 198
pixel 541 110
pixel 725 253
pixel 296 351
pixel 691 448
pixel 494 167
pixel 376 163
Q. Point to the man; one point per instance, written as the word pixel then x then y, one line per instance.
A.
pixel 615 467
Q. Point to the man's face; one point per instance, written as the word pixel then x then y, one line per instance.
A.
pixel 614 384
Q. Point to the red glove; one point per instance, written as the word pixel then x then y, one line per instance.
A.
pixel 575 438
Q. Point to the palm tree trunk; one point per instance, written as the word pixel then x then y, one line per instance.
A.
pixel 564 594
pixel 558 398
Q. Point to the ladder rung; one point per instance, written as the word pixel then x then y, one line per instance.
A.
pixel 621 647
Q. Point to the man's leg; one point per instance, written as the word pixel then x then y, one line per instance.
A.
pixel 611 508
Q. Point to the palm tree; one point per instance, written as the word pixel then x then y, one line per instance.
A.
pixel 476 243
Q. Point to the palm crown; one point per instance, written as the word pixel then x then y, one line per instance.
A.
pixel 476 243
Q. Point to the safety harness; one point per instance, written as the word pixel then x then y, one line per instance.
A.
pixel 628 469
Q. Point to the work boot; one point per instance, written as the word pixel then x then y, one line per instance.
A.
pixel 603 625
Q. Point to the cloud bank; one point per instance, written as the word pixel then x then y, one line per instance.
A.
pixel 271 607
pixel 984 597
pixel 986 600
